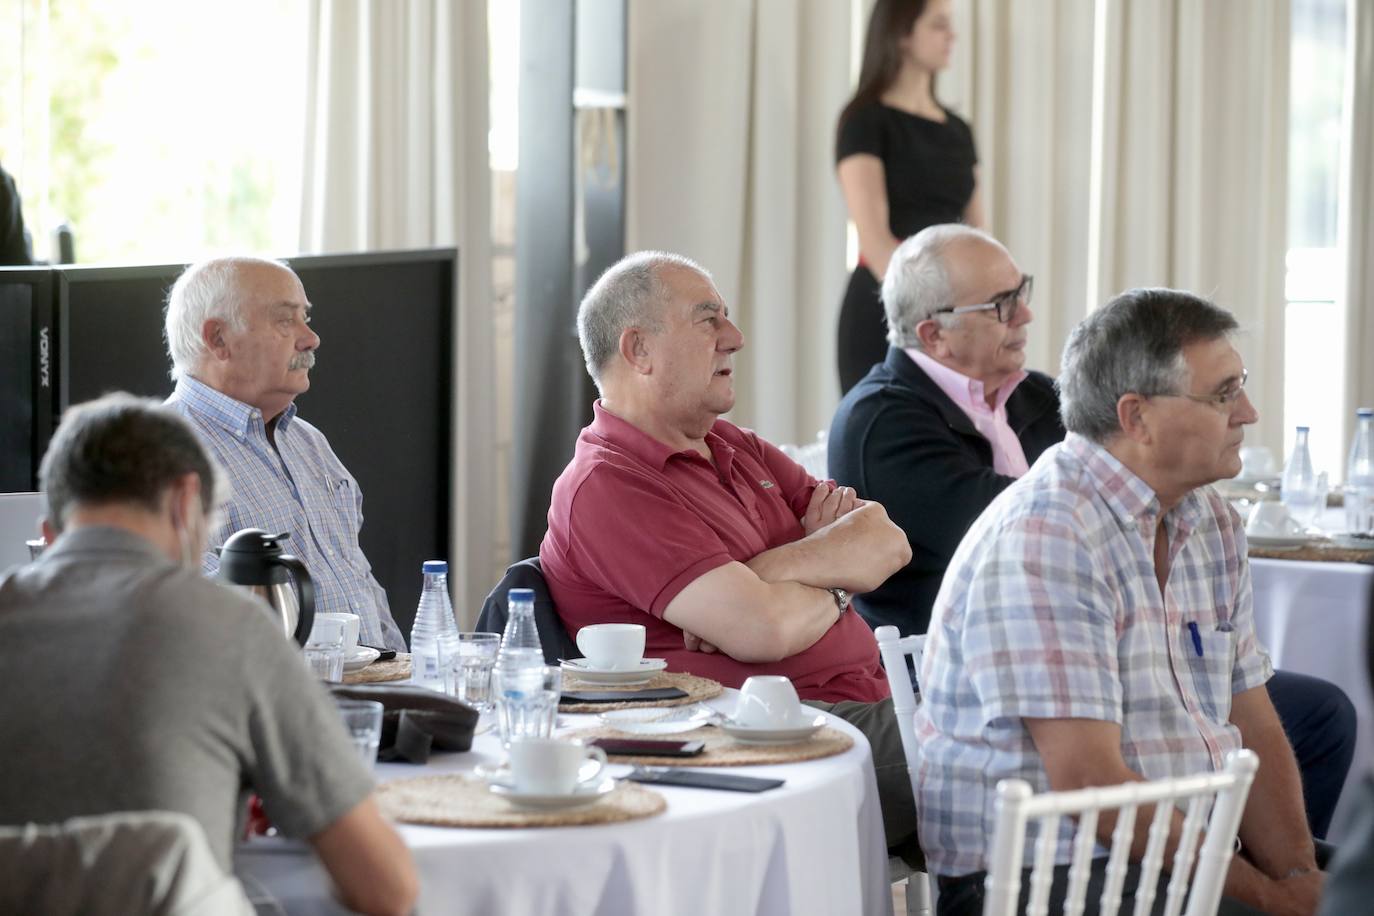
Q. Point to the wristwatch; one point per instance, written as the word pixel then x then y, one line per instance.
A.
pixel 842 598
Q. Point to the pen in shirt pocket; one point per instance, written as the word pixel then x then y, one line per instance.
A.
pixel 1197 637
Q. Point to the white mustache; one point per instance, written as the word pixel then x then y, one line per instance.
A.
pixel 304 360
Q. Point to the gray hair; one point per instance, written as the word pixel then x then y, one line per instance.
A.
pixel 917 281
pixel 1132 345
pixel 628 294
pixel 205 290
pixel 122 449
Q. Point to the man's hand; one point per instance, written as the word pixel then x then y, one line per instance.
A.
pixel 694 643
pixel 827 505
pixel 1298 895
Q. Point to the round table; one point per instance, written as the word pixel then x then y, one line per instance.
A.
pixel 815 845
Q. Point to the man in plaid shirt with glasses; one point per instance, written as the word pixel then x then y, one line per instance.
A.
pixel 1096 626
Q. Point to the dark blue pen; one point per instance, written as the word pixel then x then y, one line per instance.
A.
pixel 1197 637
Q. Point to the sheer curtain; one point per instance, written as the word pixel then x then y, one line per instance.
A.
pixel 1356 231
pixel 731 118
pixel 1189 166
pixel 396 157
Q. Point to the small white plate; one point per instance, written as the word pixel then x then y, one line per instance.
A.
pixel 582 795
pixel 1280 541
pixel 673 720
pixel 614 677
pixel 746 734
pixel 360 658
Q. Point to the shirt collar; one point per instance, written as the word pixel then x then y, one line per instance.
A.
pixel 964 391
pixel 100 539
pixel 1128 496
pixel 624 434
pixel 235 417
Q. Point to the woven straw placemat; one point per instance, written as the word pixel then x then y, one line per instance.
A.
pixel 464 801
pixel 723 751
pixel 394 669
pixel 697 688
pixel 1317 553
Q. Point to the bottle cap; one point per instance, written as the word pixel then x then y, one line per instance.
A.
pixel 433 567
pixel 1303 429
pixel 1365 412
pixel 520 594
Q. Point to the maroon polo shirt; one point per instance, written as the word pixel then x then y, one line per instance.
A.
pixel 632 522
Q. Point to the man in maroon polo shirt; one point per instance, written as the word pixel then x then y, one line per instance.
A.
pixel 735 560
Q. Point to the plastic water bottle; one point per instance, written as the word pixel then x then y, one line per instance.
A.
pixel 434 635
pixel 1301 490
pixel 521 706
pixel 1359 475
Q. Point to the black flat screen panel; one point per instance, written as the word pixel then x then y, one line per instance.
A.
pixel 381 390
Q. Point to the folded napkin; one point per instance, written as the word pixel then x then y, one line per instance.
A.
pixel 415 721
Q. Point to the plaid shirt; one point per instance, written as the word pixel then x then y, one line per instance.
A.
pixel 301 487
pixel 1051 609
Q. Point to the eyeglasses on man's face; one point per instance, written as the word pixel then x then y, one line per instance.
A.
pixel 1224 400
pixel 1005 303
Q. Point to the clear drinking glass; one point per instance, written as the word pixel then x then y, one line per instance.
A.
pixel 363 720
pixel 468 677
pixel 324 653
pixel 528 708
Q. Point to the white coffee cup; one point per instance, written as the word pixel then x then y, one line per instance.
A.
pixel 612 646
pixel 549 766
pixel 768 701
pixel 350 625
pixel 1270 519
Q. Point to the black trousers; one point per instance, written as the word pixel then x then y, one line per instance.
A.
pixel 1319 720
pixel 862 337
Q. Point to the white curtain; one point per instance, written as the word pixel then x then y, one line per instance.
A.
pixel 396 157
pixel 732 107
pixel 1189 166
pixel 1356 232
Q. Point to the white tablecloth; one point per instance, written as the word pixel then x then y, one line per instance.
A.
pixel 1313 618
pixel 813 846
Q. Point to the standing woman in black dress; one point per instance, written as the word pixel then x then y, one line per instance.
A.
pixel 904 162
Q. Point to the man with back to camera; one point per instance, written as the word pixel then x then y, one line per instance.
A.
pixel 238 332
pixel 951 418
pixel 1096 625
pixel 137 684
pixel 733 558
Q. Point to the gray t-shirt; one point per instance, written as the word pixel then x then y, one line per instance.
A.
pixel 129 683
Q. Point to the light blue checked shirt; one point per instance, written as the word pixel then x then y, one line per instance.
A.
pixel 301 487
pixel 1051 609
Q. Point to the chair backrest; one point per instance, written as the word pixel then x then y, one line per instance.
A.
pixel 894 649
pixel 127 862
pixel 1017 807
pixel 553 636
pixel 19 516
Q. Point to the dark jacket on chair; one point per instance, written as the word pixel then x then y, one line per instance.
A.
pixel 553 636
pixel 898 439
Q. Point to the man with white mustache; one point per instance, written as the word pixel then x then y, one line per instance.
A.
pixel 238 332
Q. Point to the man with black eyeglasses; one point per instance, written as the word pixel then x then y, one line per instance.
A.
pixel 951 419
pixel 952 416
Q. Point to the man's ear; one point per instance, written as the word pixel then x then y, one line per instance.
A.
pixel 182 496
pixel 932 336
pixel 212 335
pixel 634 349
pixel 1132 415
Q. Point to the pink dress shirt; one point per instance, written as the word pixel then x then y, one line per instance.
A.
pixel 1007 455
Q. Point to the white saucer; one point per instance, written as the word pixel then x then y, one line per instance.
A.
pixel 360 658
pixel 584 794
pixel 642 673
pixel 657 720
pixel 747 734
pixel 1280 541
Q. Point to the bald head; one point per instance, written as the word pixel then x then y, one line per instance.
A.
pixel 935 269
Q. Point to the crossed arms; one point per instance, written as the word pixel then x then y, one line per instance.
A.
pixel 778 604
